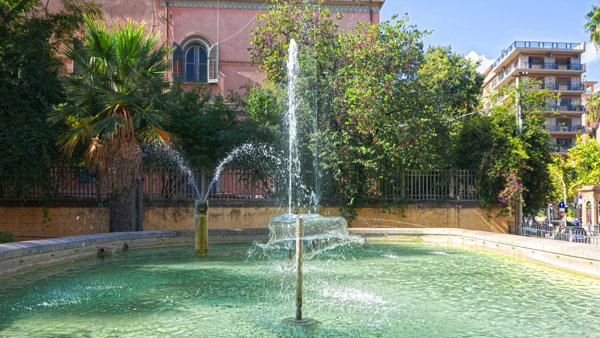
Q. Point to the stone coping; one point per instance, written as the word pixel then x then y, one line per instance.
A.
pixel 578 257
pixel 17 249
pixel 29 255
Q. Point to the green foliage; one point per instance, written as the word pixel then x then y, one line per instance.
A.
pixel 118 100
pixel 452 82
pixel 373 102
pixel 570 213
pixel 581 166
pixel 508 166
pixel 121 85
pixel 312 26
pixel 205 126
pixel 29 87
pixel 592 24
pixel 263 114
pixel 592 114
pixel 6 237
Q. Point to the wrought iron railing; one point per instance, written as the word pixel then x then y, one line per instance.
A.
pixel 551 66
pixel 566 129
pixel 563 87
pixel 416 185
pixel 584 234
pixel 564 107
pixel 537 45
pixel 174 184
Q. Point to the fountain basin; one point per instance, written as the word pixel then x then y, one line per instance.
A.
pixel 315 226
pixel 386 289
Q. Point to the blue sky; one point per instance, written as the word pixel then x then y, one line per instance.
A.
pixel 483 28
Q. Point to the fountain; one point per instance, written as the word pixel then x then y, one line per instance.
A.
pixel 313 230
pixel 288 231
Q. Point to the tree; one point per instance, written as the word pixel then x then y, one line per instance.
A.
pixel 581 166
pixel 205 126
pixel 30 85
pixel 564 186
pixel 372 105
pixel 592 115
pixel 593 103
pixel 452 82
pixel 593 24
pixel 115 103
pixel 510 168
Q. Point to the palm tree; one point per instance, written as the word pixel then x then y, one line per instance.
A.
pixel 592 115
pixel 115 103
pixel 593 103
pixel 593 24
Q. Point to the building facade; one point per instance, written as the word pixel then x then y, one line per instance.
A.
pixel 557 66
pixel 211 37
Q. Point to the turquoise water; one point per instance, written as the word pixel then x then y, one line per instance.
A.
pixel 385 289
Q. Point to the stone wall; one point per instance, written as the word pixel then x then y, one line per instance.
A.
pixel 77 218
pixel 27 221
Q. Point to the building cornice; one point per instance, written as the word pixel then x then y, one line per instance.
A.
pixel 334 6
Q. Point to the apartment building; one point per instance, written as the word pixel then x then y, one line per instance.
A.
pixel 557 65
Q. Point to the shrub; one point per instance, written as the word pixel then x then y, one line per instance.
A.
pixel 6 237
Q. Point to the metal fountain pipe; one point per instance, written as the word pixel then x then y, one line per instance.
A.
pixel 299 268
pixel 201 219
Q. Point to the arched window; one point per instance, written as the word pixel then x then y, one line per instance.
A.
pixel 196 63
pixel 588 213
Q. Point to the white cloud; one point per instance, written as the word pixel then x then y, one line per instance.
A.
pixel 484 62
pixel 591 54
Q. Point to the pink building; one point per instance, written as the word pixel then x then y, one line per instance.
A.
pixel 211 37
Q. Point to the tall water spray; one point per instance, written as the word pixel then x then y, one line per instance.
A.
pixel 293 161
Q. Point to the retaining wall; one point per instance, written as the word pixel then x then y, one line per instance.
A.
pixel 77 218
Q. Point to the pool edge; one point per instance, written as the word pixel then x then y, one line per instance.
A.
pixel 575 257
pixel 36 254
pixel 31 255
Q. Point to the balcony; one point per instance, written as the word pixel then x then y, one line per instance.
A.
pixel 565 109
pixel 563 149
pixel 564 46
pixel 553 68
pixel 566 129
pixel 560 87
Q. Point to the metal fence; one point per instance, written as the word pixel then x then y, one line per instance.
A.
pixel 173 184
pixel 416 185
pixel 584 234
pixel 168 184
pixel 66 184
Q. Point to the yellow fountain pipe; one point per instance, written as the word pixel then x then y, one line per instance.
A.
pixel 201 210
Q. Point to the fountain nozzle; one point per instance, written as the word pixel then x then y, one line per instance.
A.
pixel 201 211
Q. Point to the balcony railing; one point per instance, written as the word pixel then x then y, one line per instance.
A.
pixel 552 66
pixel 563 148
pixel 570 107
pixel 563 87
pixel 566 129
pixel 527 65
pixel 537 45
